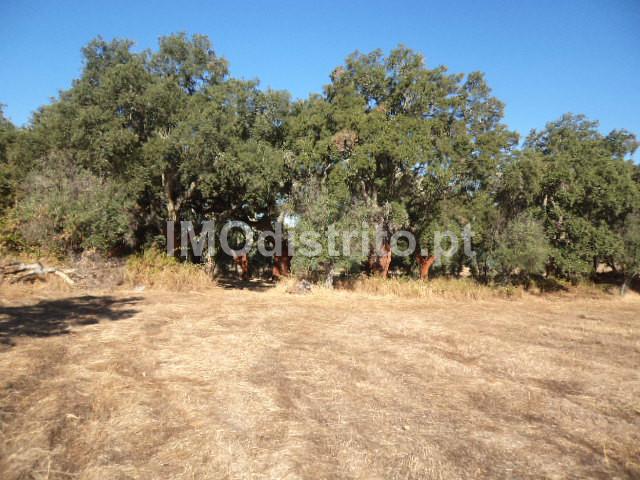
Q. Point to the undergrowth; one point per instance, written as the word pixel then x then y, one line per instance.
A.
pixel 154 268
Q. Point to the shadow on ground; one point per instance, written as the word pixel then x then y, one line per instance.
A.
pixel 55 317
pixel 255 284
pixel 615 279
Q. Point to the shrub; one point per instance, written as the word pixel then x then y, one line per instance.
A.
pixel 68 209
pixel 319 212
pixel 522 249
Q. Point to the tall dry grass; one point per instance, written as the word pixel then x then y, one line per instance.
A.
pixel 464 289
pixel 469 289
pixel 156 269
pixel 454 289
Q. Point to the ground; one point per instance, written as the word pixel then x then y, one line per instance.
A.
pixel 232 383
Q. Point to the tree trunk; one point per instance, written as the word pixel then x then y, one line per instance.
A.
pixel 425 265
pixel 175 202
pixel 172 216
pixel 625 285
pixel 172 211
pixel 328 281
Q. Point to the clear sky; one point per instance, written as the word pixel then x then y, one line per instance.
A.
pixel 541 58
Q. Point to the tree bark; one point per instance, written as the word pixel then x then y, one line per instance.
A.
pixel 175 202
pixel 328 281
pixel 625 285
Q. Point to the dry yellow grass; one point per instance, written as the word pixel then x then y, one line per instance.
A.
pixel 241 384
pixel 157 270
pixel 443 288
pixel 466 289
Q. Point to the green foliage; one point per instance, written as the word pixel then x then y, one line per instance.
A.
pixel 145 137
pixel 630 256
pixel 415 146
pixel 7 138
pixel 520 183
pixel 521 249
pixel 319 215
pixel 585 192
pixel 67 208
pixel 179 136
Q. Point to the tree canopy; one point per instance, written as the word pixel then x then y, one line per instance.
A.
pixel 145 137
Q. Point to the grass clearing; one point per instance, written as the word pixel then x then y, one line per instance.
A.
pixel 230 383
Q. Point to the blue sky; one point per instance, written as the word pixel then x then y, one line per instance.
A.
pixel 541 58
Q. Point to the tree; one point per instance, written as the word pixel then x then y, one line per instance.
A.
pixel 168 134
pixel 178 135
pixel 630 257
pixel 7 139
pixel 585 193
pixel 404 138
pixel 323 217
pixel 522 249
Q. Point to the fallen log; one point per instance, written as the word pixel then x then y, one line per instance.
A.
pixel 21 272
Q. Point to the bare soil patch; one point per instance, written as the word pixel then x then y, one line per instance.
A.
pixel 257 383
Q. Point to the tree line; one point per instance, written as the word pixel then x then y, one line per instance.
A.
pixel 145 137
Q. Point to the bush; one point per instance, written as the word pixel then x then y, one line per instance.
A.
pixel 319 212
pixel 68 209
pixel 522 249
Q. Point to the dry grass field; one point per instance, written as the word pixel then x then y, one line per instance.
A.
pixel 257 383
